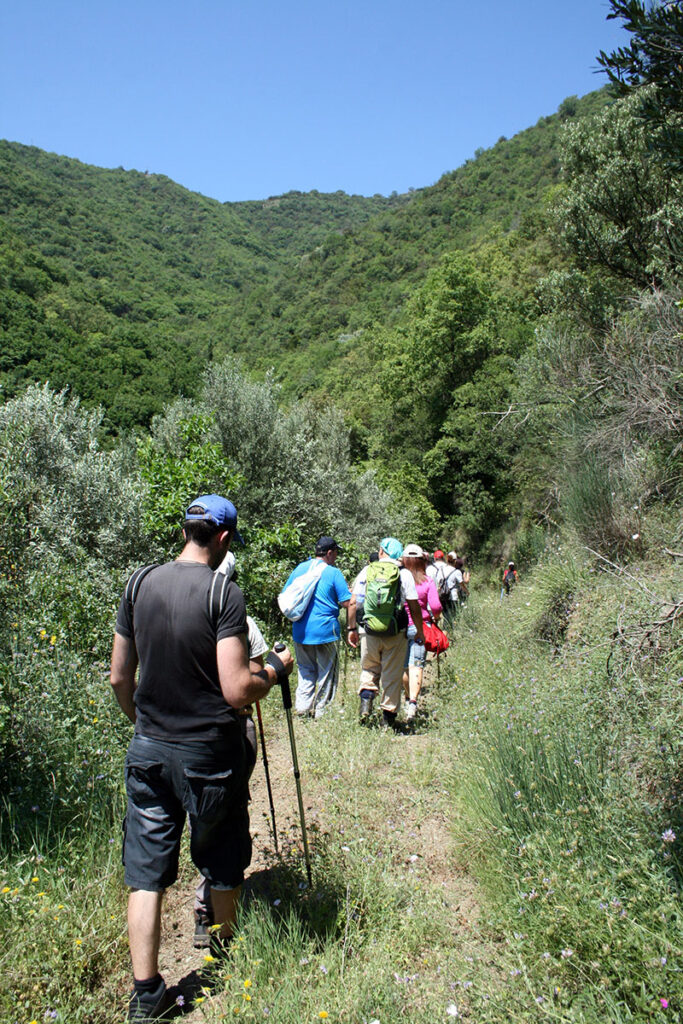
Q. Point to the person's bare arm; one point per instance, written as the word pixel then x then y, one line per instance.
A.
pixel 239 684
pixel 351 622
pixel 416 615
pixel 124 663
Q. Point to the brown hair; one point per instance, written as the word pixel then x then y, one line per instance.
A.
pixel 416 566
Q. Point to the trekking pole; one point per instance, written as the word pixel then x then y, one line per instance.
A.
pixel 287 701
pixel 266 770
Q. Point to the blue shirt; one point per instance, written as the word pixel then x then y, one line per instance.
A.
pixel 320 621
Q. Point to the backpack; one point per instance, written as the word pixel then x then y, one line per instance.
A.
pixel 382 605
pixel 446 584
pixel 509 578
pixel 295 599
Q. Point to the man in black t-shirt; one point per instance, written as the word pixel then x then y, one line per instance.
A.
pixel 187 754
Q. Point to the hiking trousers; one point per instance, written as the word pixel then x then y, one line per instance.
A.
pixel 382 658
pixel 318 671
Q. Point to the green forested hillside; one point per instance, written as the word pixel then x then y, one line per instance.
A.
pixel 122 285
pixel 113 283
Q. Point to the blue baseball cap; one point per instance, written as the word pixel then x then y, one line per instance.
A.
pixel 392 547
pixel 213 508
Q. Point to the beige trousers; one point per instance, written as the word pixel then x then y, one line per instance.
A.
pixel 381 660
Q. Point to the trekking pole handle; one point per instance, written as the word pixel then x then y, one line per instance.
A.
pixel 286 692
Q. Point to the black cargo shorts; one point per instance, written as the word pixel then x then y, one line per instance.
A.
pixel 167 781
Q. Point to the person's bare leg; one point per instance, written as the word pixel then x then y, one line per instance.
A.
pixel 144 932
pixel 406 687
pixel 415 681
pixel 225 903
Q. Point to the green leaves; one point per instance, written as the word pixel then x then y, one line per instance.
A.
pixel 175 476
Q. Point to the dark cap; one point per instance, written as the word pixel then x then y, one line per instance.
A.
pixel 326 544
pixel 212 508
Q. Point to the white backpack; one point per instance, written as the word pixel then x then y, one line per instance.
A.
pixel 295 598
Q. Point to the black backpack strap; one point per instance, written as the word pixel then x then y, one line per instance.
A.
pixel 133 585
pixel 217 594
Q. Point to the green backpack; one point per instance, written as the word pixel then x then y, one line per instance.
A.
pixel 382 598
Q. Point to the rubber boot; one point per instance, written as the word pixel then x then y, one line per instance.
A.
pixel 388 719
pixel 366 700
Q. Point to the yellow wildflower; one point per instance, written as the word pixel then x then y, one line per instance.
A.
pixel 35 878
pixel 53 639
pixel 245 995
pixel 247 982
pixel 6 889
pixel 323 1014
pixel 208 958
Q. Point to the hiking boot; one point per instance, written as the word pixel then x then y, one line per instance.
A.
pixel 388 719
pixel 366 706
pixel 411 710
pixel 203 923
pixel 148 1006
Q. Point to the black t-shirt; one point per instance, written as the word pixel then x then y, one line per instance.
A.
pixel 178 696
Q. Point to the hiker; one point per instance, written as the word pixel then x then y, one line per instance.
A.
pixel 187 753
pixel 509 579
pixel 316 633
pixel 463 577
pixel 380 592
pixel 257 648
pixel 446 581
pixel 415 560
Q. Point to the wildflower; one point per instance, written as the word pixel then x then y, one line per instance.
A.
pixel 540 999
pixel 323 1014
pixel 452 1010
pixel 515 972
pixel 304 960
pixel 43 632
pixel 517 794
pixel 247 982
pixel 245 995
pixel 276 903
pixel 208 958
pixel 35 878
pixel 180 1000
pixel 664 1004
pixel 669 836
pixel 323 969
pixel 79 942
pixel 5 889
pixel 53 640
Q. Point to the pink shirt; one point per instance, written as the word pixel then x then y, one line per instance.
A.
pixel 428 596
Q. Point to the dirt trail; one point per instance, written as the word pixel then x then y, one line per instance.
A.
pixel 418 838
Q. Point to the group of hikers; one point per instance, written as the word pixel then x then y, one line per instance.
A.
pixel 399 594
pixel 187 665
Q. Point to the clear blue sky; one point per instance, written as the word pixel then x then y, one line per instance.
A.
pixel 250 99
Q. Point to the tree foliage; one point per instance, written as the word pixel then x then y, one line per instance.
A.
pixel 619 208
pixel 654 56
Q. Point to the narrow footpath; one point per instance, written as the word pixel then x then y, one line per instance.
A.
pixel 402 805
